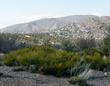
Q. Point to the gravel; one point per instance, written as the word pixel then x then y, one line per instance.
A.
pixel 23 78
pixel 99 79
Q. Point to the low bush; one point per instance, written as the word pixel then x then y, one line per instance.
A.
pixel 47 60
pixel 58 62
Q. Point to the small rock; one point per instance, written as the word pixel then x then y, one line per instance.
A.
pixel 1 74
pixel 105 73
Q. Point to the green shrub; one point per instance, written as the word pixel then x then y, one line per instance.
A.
pixel 58 62
pixel 47 60
pixel 95 60
pixel 10 60
pixel 91 51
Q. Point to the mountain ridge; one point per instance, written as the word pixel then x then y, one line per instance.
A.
pixel 90 23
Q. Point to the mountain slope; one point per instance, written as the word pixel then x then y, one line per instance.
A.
pixel 72 26
pixel 84 28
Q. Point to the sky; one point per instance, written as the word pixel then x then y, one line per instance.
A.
pixel 20 11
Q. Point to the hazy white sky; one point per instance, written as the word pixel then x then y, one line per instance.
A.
pixel 19 11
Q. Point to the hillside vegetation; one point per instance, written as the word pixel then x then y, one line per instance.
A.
pixel 55 55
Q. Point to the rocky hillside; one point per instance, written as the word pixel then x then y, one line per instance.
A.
pixel 92 29
pixel 79 26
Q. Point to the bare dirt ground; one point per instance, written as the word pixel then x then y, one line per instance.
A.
pixel 23 78
pixel 10 78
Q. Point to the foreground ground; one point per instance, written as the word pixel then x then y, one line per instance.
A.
pixel 10 78
pixel 22 78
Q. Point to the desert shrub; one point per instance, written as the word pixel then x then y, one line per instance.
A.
pixel 79 67
pixel 91 51
pixel 57 62
pixel 105 44
pixel 107 63
pixel 69 45
pixel 10 42
pixel 96 61
pixel 10 60
pixel 47 60
pixel 86 43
